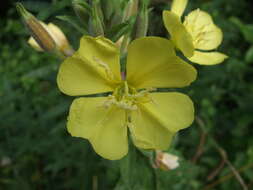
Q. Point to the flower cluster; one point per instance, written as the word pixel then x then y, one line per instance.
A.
pixel 124 103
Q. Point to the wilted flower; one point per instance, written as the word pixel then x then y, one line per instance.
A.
pixel 152 118
pixel 5 161
pixel 197 32
pixel 166 161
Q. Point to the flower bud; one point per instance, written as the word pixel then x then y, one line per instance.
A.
pixel 166 161
pixel 38 32
pixel 44 37
pixel 130 10
pixel 142 20
pixel 82 10
pixel 58 37
pixel 96 19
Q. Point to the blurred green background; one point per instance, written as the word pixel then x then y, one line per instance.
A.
pixel 36 152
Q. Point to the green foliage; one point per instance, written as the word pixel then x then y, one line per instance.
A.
pixel 36 152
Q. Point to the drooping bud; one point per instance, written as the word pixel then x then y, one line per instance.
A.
pixel 142 19
pixel 38 32
pixel 97 25
pixel 166 161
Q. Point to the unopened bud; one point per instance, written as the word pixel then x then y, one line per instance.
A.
pixel 142 20
pixel 60 40
pixel 38 32
pixel 96 19
pixel 82 10
pixel 130 10
pixel 166 161
pixel 44 37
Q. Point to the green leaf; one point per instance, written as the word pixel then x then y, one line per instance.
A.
pixel 52 9
pixel 246 29
pixel 249 55
pixel 36 7
pixel 119 30
pixel 82 10
pixel 72 21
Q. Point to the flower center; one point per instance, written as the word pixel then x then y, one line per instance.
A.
pixel 128 98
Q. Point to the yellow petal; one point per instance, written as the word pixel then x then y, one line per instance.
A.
pixel 104 128
pixel 58 36
pixel 147 132
pixel 179 35
pixel 34 44
pixel 79 77
pixel 178 6
pixel 208 58
pixel 154 123
pixel 152 62
pixel 101 50
pixel 172 110
pixel 206 35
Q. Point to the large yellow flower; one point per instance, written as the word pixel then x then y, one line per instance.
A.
pixel 197 32
pixel 151 118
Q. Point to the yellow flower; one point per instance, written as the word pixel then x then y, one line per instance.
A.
pixel 57 36
pixel 197 32
pixel 151 118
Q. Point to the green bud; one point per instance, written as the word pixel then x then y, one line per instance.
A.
pixel 82 10
pixel 142 20
pixel 130 10
pixel 108 8
pixel 38 32
pixel 119 30
pixel 97 19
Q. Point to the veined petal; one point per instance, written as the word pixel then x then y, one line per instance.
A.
pixel 178 6
pixel 211 39
pixel 179 35
pixel 79 77
pixel 101 51
pixel 152 62
pixel 172 110
pixel 206 35
pixel 104 128
pixel 147 132
pixel 208 58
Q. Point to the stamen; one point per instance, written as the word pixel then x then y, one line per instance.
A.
pixel 124 104
pixel 142 93
pixel 127 98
